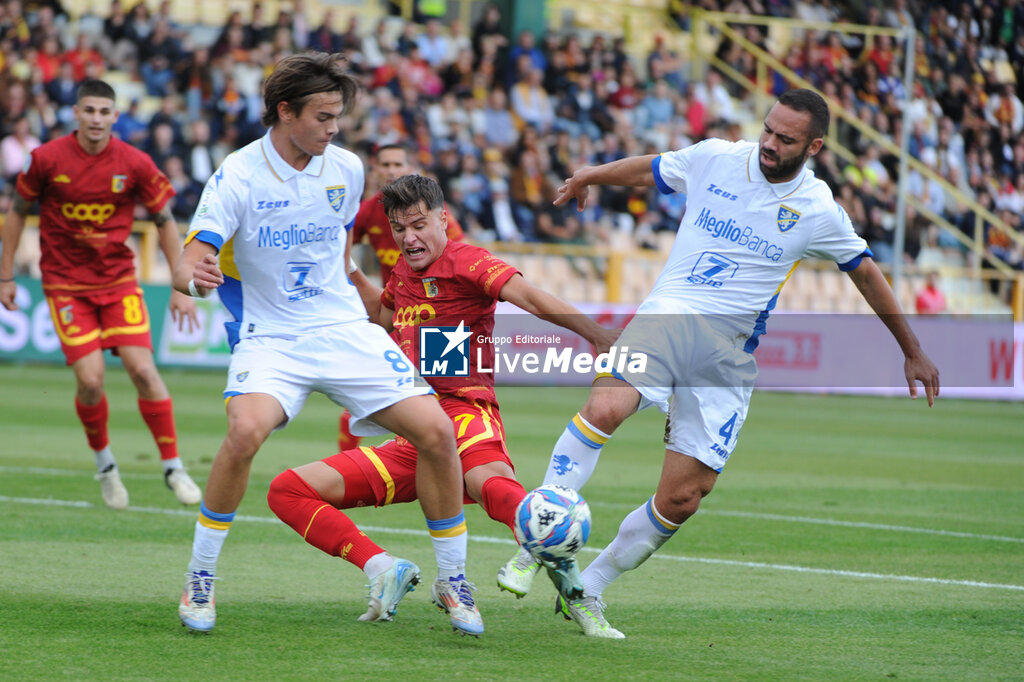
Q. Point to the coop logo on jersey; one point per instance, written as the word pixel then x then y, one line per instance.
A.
pixel 444 351
pixel 117 183
pixel 336 197
pixel 787 218
pixel 430 287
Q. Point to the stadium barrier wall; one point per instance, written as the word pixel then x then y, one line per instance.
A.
pixel 979 356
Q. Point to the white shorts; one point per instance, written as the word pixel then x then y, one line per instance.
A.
pixel 356 365
pixel 705 374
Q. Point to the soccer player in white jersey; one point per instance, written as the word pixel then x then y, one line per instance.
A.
pixel 271 233
pixel 753 211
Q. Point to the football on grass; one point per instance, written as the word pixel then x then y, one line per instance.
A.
pixel 552 523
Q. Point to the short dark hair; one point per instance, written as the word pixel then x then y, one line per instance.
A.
pixel 408 191
pixel 298 77
pixel 392 145
pixel 802 99
pixel 93 87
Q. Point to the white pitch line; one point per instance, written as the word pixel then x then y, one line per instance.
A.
pixel 862 524
pixel 704 512
pixel 589 550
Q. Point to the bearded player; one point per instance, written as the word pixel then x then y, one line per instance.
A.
pixel 87 185
pixel 448 284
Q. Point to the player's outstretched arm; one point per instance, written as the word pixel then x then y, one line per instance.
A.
pixel 182 306
pixel 634 171
pixel 522 294
pixel 917 366
pixel 10 238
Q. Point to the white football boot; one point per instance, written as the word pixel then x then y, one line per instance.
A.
pixel 589 615
pixel 197 609
pixel 115 495
pixel 516 576
pixel 388 588
pixel 455 597
pixel 185 489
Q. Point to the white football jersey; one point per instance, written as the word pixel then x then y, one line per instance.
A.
pixel 281 236
pixel 742 236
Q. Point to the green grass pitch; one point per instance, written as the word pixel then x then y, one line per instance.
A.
pixel 850 538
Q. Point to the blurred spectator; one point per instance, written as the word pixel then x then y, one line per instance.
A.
pixel 930 300
pixel 530 189
pixel 161 145
pixel 158 54
pixel 324 38
pixel 62 91
pixel 526 48
pixel 16 147
pixel 531 104
pixel 129 127
pixel 488 30
pixel 82 56
pixel 187 190
pixel 496 122
pixel 42 115
pixel 199 163
pixel 48 59
pixel 433 45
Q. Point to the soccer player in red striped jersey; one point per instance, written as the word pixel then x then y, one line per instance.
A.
pixel 390 162
pixel 441 283
pixel 87 184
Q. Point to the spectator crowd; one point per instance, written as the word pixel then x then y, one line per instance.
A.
pixel 500 120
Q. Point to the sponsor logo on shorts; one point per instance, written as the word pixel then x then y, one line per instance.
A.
pixel 242 376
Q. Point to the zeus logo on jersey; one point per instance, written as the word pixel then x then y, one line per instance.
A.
pixel 293 235
pixel 444 351
pixel 715 189
pixel 742 236
pixel 263 205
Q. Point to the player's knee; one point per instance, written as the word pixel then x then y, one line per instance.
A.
pixel 435 439
pixel 90 391
pixel 282 491
pixel 242 441
pixel 681 503
pixel 605 415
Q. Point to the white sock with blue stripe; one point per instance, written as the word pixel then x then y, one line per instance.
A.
pixel 211 532
pixel 449 538
pixel 575 454
pixel 640 535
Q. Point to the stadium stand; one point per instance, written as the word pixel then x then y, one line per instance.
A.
pixel 621 78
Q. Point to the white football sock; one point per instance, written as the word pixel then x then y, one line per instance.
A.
pixel 172 464
pixel 640 534
pixel 575 454
pixel 377 564
pixel 206 547
pixel 104 459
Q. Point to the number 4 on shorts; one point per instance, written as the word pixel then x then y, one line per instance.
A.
pixel 726 430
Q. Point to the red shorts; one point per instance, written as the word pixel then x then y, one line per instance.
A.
pixel 390 468
pixel 87 322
